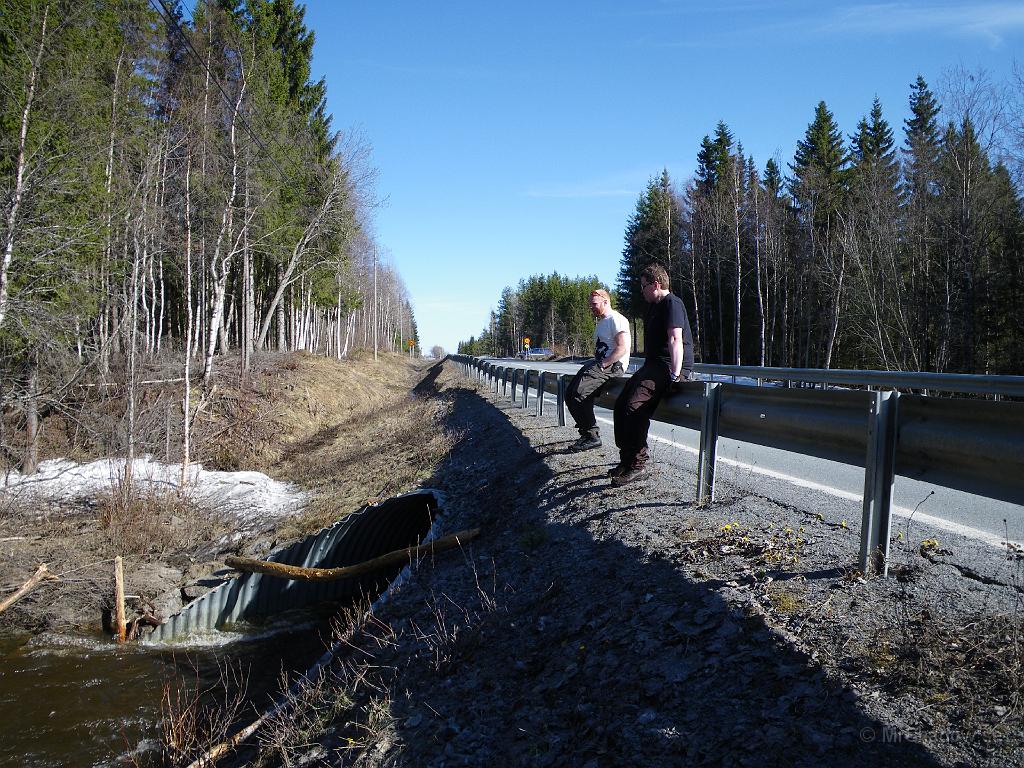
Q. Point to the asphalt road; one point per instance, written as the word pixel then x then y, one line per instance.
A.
pixel 921 510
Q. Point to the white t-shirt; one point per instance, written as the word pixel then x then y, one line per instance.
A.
pixel 604 337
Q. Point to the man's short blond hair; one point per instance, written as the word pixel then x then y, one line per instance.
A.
pixel 603 294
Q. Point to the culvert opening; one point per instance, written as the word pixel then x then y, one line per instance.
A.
pixel 252 598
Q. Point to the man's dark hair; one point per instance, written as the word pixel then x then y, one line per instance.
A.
pixel 655 273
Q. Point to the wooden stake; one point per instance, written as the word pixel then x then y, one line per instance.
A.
pixel 397 557
pixel 42 574
pixel 122 629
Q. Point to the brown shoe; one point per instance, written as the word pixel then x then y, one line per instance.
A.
pixel 617 470
pixel 630 475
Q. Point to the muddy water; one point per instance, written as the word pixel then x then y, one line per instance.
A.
pixel 91 703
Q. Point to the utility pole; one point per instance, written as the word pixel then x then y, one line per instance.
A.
pixel 375 302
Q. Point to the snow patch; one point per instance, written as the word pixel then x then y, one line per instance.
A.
pixel 249 497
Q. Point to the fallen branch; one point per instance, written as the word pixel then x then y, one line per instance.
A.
pixel 42 574
pixel 218 751
pixel 398 557
pixel 138 383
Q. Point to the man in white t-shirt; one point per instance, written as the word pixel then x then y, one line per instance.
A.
pixel 611 355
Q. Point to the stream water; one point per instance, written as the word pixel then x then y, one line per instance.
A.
pixel 79 703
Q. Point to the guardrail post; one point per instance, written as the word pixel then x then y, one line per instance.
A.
pixel 561 400
pixel 515 381
pixel 708 444
pixel 540 392
pixel 526 387
pixel 879 474
pixel 504 382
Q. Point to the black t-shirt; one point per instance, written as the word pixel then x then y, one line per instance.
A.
pixel 661 317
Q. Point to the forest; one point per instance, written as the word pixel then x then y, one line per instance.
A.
pixel 551 310
pixel 174 192
pixel 864 252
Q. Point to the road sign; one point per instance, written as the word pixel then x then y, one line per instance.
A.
pixel 410 343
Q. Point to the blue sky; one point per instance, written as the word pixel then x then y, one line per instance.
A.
pixel 513 139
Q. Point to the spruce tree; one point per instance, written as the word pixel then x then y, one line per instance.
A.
pixel 921 146
pixel 820 167
pixel 652 235
pixel 921 228
pixel 773 178
pixel 873 153
pixel 819 188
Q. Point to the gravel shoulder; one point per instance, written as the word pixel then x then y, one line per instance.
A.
pixel 592 626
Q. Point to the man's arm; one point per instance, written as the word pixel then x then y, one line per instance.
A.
pixel 621 347
pixel 676 348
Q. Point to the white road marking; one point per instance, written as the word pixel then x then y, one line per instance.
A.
pixel 905 512
pixel 921 517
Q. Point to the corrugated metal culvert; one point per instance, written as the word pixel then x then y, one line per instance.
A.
pixel 399 522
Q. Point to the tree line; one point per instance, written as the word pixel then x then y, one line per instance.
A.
pixel 550 310
pixel 173 189
pixel 864 252
pixel 867 254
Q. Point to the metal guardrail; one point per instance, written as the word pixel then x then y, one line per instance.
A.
pixel 967 444
pixel 966 383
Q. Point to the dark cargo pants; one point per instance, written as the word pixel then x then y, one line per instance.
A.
pixel 634 408
pixel 583 390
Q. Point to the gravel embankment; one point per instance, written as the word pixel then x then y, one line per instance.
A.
pixel 593 626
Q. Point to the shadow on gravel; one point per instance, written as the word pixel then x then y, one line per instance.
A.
pixel 823 573
pixel 428 384
pixel 554 644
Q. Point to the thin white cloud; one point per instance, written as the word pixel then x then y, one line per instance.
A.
pixel 446 306
pixel 426 72
pixel 578 191
pixel 990 21
pixel 626 183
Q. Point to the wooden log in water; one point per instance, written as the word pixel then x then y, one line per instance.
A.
pixel 397 557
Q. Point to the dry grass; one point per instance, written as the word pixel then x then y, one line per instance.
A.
pixel 306 710
pixel 138 519
pixel 194 717
pixel 351 456
pixel 786 601
pixel 350 431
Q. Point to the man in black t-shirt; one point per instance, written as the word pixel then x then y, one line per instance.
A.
pixel 668 357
